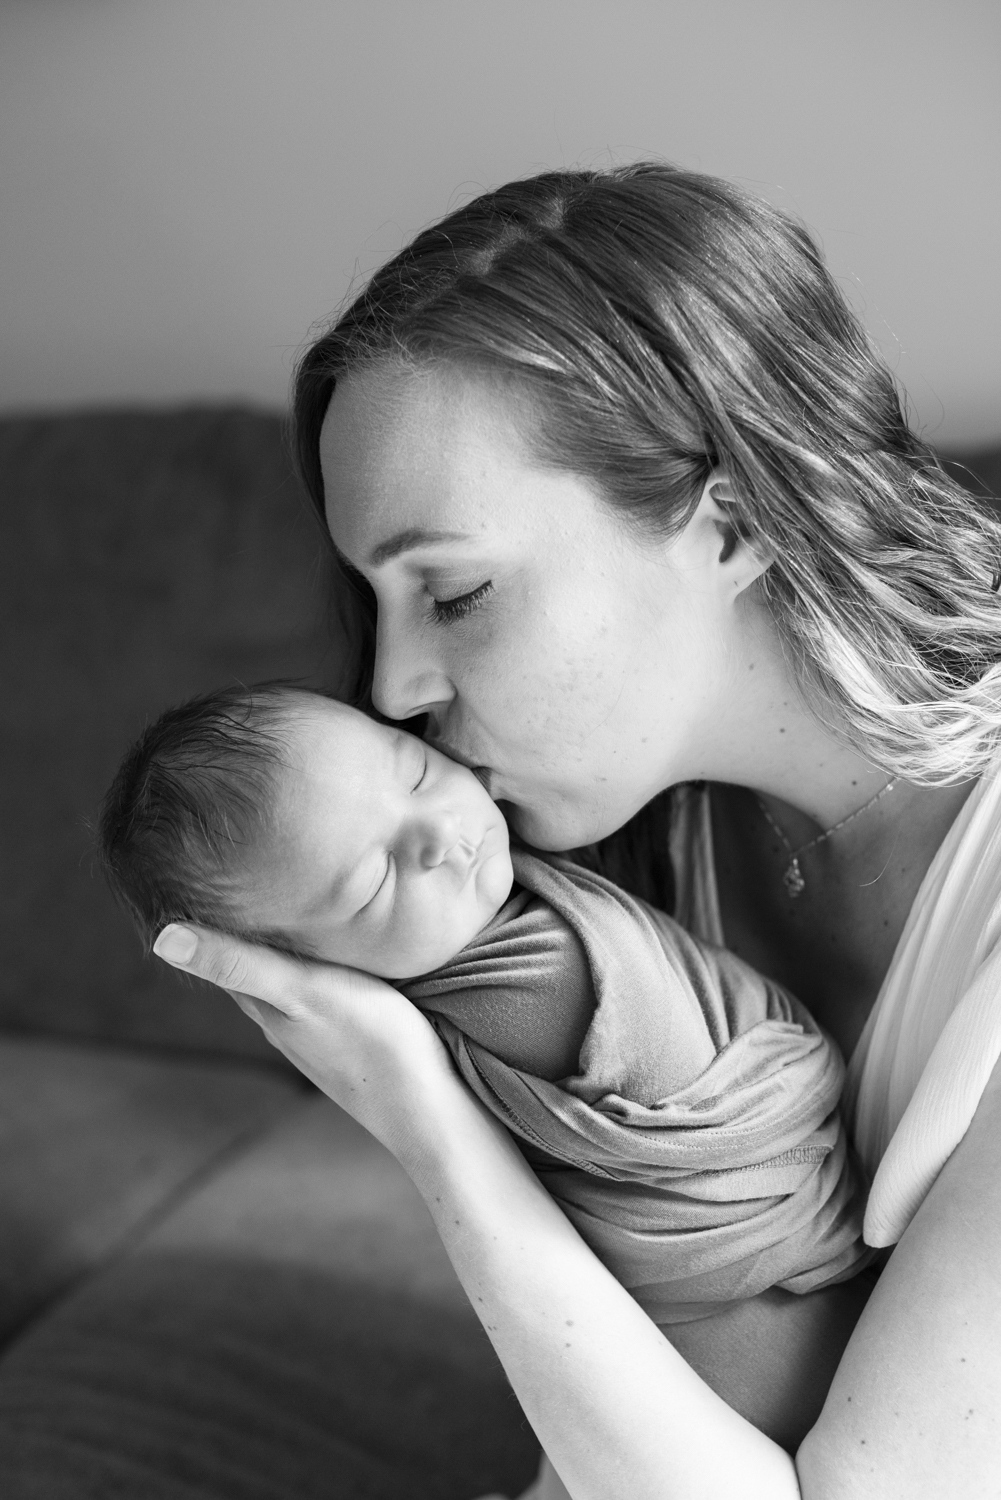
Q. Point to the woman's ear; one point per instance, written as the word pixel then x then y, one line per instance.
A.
pixel 740 558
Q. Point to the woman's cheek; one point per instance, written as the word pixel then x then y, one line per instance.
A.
pixel 571 697
pixel 490 662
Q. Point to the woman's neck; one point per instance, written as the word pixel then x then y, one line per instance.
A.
pixel 764 735
pixel 831 941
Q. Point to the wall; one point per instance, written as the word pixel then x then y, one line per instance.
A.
pixel 187 185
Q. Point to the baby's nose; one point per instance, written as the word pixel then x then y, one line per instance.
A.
pixel 435 838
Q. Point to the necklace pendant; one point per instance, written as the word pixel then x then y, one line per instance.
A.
pixel 793 879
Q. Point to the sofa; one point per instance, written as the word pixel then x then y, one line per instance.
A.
pixel 213 1284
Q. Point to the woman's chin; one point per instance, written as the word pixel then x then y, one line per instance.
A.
pixel 553 829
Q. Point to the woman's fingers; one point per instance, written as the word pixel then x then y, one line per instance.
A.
pixel 242 968
pixel 285 994
pixel 355 1036
pixel 256 1010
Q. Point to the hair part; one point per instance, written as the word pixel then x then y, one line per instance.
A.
pixel 193 799
pixel 666 324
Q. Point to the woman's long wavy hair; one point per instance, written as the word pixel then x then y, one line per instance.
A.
pixel 663 325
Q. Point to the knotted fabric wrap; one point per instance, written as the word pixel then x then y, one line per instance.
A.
pixel 697 1150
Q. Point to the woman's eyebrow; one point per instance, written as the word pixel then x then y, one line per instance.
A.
pixel 406 541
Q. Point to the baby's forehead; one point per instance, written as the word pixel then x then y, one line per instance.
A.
pixel 332 737
pixel 337 769
pixel 327 721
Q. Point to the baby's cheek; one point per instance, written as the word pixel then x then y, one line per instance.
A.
pixel 412 940
pixel 449 922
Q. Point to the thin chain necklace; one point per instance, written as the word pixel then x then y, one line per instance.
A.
pixel 793 878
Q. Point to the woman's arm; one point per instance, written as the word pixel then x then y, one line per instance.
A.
pixel 911 1411
pixel 915 1407
pixel 615 1406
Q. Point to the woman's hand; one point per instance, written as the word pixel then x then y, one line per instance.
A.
pixel 358 1039
pixel 614 1405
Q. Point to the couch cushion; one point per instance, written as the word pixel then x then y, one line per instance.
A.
pixel 293 1329
pixel 143 557
pixel 96 1143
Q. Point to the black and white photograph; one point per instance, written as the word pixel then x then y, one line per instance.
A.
pixel 500 770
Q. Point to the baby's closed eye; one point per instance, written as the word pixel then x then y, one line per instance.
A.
pixel 378 886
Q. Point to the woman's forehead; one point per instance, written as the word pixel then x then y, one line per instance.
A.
pixel 401 449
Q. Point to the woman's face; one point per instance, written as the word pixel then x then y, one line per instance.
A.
pixel 579 668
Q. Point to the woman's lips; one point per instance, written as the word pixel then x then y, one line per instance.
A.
pixel 483 774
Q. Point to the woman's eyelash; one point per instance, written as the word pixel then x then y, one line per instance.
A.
pixel 424 771
pixel 444 611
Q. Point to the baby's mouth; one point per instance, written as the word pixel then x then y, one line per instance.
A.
pixel 473 853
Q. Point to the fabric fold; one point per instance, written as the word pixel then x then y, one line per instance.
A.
pixel 697 1150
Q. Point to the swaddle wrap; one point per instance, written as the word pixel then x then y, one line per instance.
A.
pixel 697 1150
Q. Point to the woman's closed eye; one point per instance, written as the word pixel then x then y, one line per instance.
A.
pixel 445 611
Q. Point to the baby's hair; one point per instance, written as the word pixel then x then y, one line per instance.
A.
pixel 193 798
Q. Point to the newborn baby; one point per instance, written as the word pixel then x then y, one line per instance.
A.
pixel 679 1107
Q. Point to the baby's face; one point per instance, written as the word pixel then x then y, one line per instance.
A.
pixel 389 856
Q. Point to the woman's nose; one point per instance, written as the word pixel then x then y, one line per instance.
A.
pixel 404 682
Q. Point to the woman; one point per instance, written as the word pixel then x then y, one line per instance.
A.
pixel 627 503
